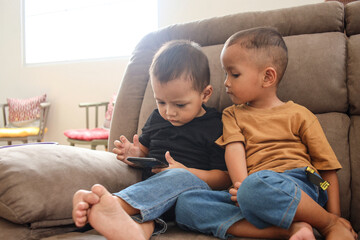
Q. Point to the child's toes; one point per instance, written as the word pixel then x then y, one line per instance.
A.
pixel 82 206
pixel 80 222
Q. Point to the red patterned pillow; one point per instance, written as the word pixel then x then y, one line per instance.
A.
pixel 23 112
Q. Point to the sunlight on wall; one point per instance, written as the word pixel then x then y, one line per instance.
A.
pixel 66 30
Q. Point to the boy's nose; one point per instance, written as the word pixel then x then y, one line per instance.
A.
pixel 226 82
pixel 170 111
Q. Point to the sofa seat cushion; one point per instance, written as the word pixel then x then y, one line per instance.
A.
pixel 38 181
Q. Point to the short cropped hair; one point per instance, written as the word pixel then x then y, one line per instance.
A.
pixel 267 41
pixel 181 58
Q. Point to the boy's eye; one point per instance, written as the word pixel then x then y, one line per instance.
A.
pixel 235 75
pixel 160 103
pixel 180 105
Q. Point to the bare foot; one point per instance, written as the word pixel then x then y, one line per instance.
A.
pixel 82 202
pixel 301 231
pixel 109 218
pixel 339 229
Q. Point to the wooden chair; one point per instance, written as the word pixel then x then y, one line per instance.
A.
pixel 24 134
pixel 90 136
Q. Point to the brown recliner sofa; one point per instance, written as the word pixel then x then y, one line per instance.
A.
pixel 37 182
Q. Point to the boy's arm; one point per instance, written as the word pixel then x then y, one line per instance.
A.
pixel 216 179
pixel 333 204
pixel 236 161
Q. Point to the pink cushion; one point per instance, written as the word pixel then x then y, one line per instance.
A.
pixel 108 114
pixel 87 134
pixel 24 111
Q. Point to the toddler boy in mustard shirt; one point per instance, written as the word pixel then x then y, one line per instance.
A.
pixel 271 149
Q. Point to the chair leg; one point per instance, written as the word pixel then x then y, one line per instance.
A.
pixel 93 147
pixel 72 144
pixel 9 142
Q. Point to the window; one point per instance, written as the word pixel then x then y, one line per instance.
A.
pixel 68 30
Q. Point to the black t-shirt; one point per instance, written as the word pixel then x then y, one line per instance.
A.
pixel 192 144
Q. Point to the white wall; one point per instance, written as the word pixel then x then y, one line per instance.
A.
pixel 68 84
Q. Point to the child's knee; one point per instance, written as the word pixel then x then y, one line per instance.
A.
pixel 255 188
pixel 264 187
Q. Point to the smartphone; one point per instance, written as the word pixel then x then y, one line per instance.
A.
pixel 144 162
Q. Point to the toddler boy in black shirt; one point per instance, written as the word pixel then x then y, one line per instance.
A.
pixel 181 126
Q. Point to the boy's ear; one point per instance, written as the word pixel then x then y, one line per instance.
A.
pixel 270 77
pixel 206 93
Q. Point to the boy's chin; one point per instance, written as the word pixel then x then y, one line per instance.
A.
pixel 235 100
pixel 176 124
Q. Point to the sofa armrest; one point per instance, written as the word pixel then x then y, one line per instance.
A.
pixel 37 182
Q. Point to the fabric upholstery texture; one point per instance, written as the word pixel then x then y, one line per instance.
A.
pixel 37 182
pixel 30 192
pixel 352 18
pixel 353 72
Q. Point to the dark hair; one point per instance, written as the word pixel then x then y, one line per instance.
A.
pixel 266 39
pixel 178 58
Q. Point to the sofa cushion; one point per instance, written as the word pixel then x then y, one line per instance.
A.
pixel 355 166
pixel 336 128
pixel 38 181
pixel 353 73
pixel 316 77
pixel 352 18
pixel 13 231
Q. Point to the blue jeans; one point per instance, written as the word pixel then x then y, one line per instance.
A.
pixel 265 198
pixel 157 194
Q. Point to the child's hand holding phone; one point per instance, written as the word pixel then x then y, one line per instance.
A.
pixel 172 164
pixel 124 148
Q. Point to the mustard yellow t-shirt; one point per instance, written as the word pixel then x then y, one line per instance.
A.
pixel 282 138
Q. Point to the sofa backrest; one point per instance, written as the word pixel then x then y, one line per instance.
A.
pixel 316 76
pixel 310 31
pixel 352 15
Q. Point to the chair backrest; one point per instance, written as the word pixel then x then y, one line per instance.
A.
pixel 96 105
pixel 4 111
pixel 45 107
